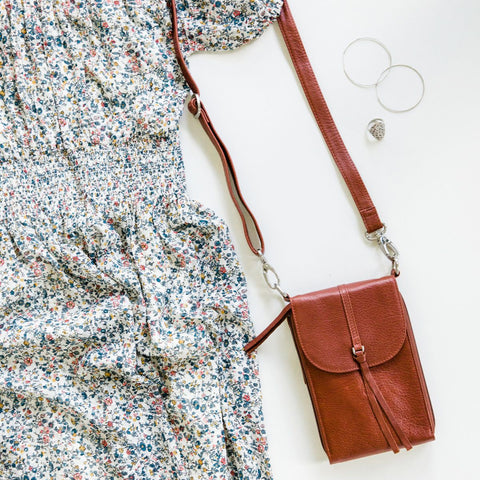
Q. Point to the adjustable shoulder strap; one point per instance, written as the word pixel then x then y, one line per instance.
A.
pixel 322 115
pixel 251 229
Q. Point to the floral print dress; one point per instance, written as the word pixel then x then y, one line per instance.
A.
pixel 123 307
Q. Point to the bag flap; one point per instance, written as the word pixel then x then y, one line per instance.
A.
pixel 321 326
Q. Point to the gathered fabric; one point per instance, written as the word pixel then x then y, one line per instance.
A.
pixel 123 306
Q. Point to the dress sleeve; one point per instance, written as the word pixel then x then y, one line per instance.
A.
pixel 213 25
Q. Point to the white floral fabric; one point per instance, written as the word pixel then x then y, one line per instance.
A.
pixel 123 307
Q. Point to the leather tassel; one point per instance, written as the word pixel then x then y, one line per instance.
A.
pixel 375 396
pixel 377 401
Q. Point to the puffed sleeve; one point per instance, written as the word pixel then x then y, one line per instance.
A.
pixel 213 25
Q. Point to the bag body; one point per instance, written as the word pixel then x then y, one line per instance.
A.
pixel 351 418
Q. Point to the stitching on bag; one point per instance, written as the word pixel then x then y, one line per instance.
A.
pixel 373 364
pixel 307 356
pixel 364 196
pixel 349 314
pixel 323 433
pixel 420 376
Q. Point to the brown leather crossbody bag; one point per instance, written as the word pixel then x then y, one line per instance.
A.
pixel 355 342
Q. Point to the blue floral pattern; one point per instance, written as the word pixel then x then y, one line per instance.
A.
pixel 123 307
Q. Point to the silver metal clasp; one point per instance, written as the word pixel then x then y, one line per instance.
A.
pixel 387 247
pixel 271 277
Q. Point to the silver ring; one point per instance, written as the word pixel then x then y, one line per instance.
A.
pixel 376 128
pixel 384 74
pixel 367 39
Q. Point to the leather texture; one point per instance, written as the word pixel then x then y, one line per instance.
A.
pixel 361 365
pixel 251 229
pixel 257 341
pixel 321 113
pixel 370 399
pixel 382 336
pixel 178 52
pixel 325 121
pixel 250 225
pixel 355 342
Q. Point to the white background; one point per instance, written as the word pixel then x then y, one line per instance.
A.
pixel 423 178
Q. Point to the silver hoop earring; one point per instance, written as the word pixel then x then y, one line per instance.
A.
pixel 365 39
pixel 382 77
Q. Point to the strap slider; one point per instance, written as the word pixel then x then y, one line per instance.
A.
pixel 356 352
pixel 195 100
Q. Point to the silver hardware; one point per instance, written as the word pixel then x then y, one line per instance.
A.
pixel 365 39
pixel 382 77
pixel 387 247
pixel 355 352
pixel 376 128
pixel 199 105
pixel 271 276
pixel 374 235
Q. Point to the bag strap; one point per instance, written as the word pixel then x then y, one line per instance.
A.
pixel 251 228
pixel 325 121
pixel 374 226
